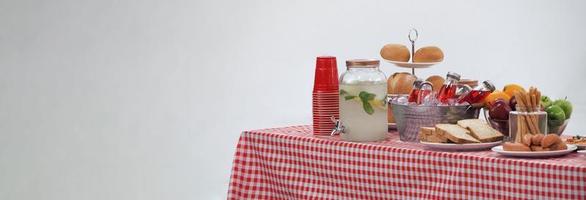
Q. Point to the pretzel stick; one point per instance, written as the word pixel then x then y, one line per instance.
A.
pixel 530 118
pixel 536 107
pixel 521 120
pixel 526 106
pixel 522 129
pixel 529 100
pixel 538 96
pixel 530 109
pixel 522 101
pixel 533 115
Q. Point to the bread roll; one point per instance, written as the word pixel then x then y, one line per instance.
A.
pixel 536 139
pixel 527 139
pixel 550 139
pixel 436 82
pixel 538 148
pixel 395 52
pixel 400 83
pixel 559 146
pixel 428 54
pixel 508 146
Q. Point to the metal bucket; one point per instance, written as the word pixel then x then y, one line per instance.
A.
pixel 410 118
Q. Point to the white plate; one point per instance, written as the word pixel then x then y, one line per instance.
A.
pixel 453 147
pixel 582 151
pixel 412 65
pixel 534 154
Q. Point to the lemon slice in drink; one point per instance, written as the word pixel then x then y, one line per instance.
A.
pixel 378 103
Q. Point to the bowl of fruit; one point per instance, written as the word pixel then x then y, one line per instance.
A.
pixel 558 114
pixel 499 103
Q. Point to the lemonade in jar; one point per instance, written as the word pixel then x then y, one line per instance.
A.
pixel 363 106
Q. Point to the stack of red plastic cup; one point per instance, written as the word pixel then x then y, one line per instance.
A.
pixel 325 95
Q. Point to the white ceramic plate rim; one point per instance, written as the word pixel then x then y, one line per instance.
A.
pixel 581 146
pixel 499 149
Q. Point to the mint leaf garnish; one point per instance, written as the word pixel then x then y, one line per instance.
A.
pixel 349 97
pixel 365 97
pixel 367 107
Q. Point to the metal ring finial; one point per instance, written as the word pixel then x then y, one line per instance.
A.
pixel 412 37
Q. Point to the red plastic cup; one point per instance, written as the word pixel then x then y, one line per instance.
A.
pixel 325 95
pixel 326 74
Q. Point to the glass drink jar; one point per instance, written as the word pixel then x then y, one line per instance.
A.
pixel 363 106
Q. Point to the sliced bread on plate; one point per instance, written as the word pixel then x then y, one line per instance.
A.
pixel 480 130
pixel 455 133
pixel 428 134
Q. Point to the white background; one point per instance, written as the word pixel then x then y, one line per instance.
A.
pixel 124 99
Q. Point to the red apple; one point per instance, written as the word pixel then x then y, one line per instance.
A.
pixel 499 110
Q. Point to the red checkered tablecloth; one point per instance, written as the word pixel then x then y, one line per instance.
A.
pixel 291 163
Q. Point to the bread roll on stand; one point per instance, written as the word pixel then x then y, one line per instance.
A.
pixel 431 56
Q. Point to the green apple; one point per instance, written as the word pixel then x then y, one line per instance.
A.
pixel 545 102
pixel 565 105
pixel 556 115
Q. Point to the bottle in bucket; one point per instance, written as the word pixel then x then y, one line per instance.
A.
pixel 478 93
pixel 448 90
pixel 363 106
pixel 415 91
pixel 425 90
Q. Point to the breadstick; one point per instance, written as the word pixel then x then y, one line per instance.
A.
pixel 525 102
pixel 539 99
pixel 522 130
pixel 525 108
pixel 521 119
pixel 530 100
pixel 519 130
pixel 535 106
pixel 530 108
pixel 534 119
